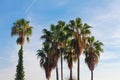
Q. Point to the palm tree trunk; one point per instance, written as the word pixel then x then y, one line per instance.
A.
pixel 61 67
pixel 91 75
pixel 71 74
pixel 78 70
pixel 48 78
pixel 57 75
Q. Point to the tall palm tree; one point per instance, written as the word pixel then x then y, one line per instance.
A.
pixel 55 44
pixel 92 53
pixel 69 56
pixel 62 37
pixel 22 29
pixel 80 32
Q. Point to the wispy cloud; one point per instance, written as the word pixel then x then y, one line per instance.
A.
pixel 105 22
pixel 109 56
pixel 7 73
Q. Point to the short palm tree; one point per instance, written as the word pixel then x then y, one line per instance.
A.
pixel 50 40
pixel 22 29
pixel 92 53
pixel 45 60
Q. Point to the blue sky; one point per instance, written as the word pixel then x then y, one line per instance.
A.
pixel 103 15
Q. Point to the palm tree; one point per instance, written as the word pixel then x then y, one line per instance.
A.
pixel 50 40
pixel 92 53
pixel 45 60
pixel 67 49
pixel 62 37
pixel 55 44
pixel 21 29
pixel 60 34
pixel 69 56
pixel 80 32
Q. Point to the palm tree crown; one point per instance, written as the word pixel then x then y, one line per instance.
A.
pixel 92 52
pixel 22 29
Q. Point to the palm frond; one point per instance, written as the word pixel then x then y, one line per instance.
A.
pixel 41 54
pixel 28 39
pixel 28 31
pixel 78 20
pixel 61 23
pixel 20 40
pixel 22 29
pixel 72 22
pixel 92 52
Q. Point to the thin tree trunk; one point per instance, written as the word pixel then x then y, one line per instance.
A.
pixel 91 75
pixel 61 67
pixel 71 74
pixel 57 75
pixel 78 70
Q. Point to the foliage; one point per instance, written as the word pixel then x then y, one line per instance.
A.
pixel 21 29
pixel 68 40
pixel 92 52
pixel 20 70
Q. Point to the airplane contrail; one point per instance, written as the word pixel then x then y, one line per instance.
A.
pixel 29 7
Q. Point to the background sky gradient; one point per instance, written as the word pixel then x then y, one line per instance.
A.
pixel 102 15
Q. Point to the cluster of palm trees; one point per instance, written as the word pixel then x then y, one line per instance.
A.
pixel 64 41
pixel 68 41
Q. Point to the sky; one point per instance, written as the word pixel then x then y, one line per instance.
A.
pixel 102 15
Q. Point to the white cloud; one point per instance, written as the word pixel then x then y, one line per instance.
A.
pixel 31 66
pixel 7 74
pixel 108 56
pixel 105 22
